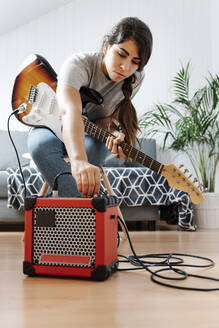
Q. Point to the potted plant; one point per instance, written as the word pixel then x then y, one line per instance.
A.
pixel 190 125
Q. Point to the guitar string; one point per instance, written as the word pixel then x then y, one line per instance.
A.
pixel 96 131
pixel 142 158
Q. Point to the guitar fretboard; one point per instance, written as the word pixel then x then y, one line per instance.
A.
pixel 131 152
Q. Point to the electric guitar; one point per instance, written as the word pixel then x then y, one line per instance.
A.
pixel 34 96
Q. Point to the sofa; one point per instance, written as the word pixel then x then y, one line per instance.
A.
pixel 10 216
pixel 8 159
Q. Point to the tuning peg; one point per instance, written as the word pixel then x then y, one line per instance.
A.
pixel 181 165
pixel 195 180
pixel 200 186
pixel 186 171
pixel 189 176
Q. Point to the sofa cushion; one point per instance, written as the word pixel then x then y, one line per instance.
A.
pixel 7 154
pixel 3 184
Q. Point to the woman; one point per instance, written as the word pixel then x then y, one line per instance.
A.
pixel 117 73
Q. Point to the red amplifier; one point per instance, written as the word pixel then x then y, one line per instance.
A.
pixel 75 237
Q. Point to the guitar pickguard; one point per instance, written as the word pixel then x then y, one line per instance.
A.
pixel 45 110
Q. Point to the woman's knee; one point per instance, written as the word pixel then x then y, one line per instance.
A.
pixel 41 142
pixel 96 150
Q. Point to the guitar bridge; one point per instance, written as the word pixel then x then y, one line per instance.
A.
pixel 32 94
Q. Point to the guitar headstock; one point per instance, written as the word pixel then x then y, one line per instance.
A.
pixel 178 180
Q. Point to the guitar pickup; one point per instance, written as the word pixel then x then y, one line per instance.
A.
pixel 32 94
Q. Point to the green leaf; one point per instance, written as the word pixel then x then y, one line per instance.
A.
pixel 190 125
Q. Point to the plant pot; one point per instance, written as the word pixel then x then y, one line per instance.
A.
pixel 207 213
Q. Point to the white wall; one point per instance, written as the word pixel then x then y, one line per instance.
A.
pixel 214 23
pixel 182 29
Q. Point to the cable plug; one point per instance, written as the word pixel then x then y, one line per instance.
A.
pixel 21 109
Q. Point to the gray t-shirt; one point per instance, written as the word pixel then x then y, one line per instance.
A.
pixel 84 69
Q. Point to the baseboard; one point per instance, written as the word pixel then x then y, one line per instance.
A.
pixel 12 226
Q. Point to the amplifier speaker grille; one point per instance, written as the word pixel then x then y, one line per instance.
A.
pixel 64 232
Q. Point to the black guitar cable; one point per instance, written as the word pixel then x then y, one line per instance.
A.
pixel 16 152
pixel 171 262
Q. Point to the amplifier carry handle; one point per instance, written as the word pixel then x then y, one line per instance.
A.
pixel 108 187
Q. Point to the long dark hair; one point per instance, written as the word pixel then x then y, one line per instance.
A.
pixel 130 28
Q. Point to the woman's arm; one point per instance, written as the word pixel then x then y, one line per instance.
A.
pixel 87 176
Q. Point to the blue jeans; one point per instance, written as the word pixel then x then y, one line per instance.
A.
pixel 48 153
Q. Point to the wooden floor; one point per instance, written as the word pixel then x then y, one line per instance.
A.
pixel 127 299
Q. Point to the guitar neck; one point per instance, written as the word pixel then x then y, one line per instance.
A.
pixel 131 152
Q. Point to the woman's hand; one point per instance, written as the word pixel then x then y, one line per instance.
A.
pixel 112 144
pixel 87 177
